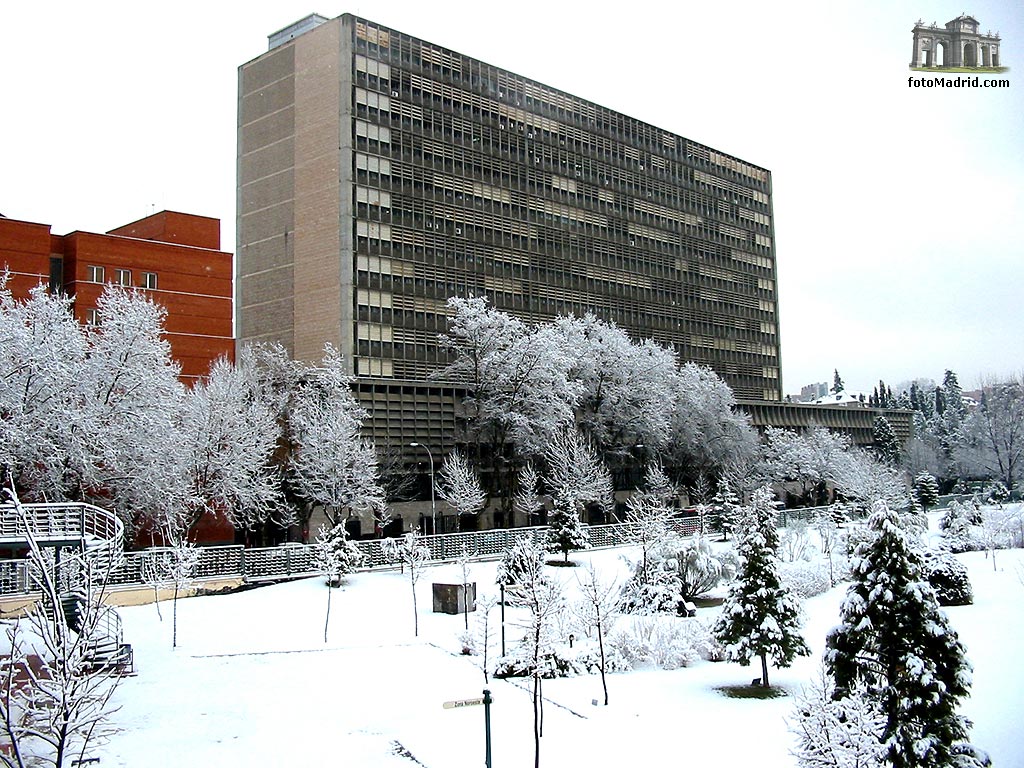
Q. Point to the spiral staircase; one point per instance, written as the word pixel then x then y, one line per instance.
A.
pixel 84 543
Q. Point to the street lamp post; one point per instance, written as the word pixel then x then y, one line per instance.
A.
pixel 433 509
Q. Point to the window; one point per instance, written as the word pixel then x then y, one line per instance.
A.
pixel 123 277
pixel 92 315
pixel 149 280
pixel 95 274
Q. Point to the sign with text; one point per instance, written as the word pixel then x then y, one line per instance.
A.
pixel 459 703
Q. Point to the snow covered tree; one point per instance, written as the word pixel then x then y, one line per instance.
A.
pixel 926 490
pixel 521 558
pixel 829 536
pixel 624 388
pixel 484 632
pixel 335 556
pixel 837 383
pixel 708 433
pixel 648 519
pixel 330 464
pixel 51 713
pixel 176 564
pixel 886 444
pixel 725 510
pixel 459 486
pixel 527 500
pixel 760 619
pixel 813 459
pixel 896 643
pixel 228 438
pixel 993 435
pixel 862 480
pixel 955 525
pixel 701 568
pixel 412 553
pixel 566 531
pixel 597 607
pixel 837 732
pixel 516 381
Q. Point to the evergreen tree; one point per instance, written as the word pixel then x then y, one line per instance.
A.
pixel 725 509
pixel 896 643
pixel 837 382
pixel 565 529
pixel 760 617
pixel 926 490
pixel 954 394
pixel 886 444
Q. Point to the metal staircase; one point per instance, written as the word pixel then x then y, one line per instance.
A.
pixel 96 538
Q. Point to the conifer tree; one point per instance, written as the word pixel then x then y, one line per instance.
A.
pixel 725 508
pixel 897 645
pixel 926 490
pixel 837 382
pixel 887 445
pixel 760 618
pixel 565 529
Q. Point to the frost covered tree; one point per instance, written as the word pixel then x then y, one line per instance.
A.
pixel 708 434
pixel 459 486
pixel 993 435
pixel 516 381
pixel 524 556
pixel 955 525
pixel 862 479
pixel 175 565
pixel 412 553
pixel 228 438
pixel 837 732
pixel 837 383
pixel 624 388
pixel 813 458
pixel 55 689
pixel 886 444
pixel 484 632
pixel 926 491
pixel 335 556
pixel 895 643
pixel 648 515
pixel 576 477
pixel 330 464
pixel 760 619
pixel 527 501
pixel 725 509
pixel 597 608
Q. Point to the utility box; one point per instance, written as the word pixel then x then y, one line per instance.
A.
pixel 455 598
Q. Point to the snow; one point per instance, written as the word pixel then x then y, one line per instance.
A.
pixel 252 683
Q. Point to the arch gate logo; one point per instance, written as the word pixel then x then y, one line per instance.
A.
pixel 955 48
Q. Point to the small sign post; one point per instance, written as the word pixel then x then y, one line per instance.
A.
pixel 486 700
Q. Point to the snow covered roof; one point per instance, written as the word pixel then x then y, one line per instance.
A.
pixel 842 398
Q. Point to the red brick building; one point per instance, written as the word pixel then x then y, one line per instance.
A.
pixel 174 257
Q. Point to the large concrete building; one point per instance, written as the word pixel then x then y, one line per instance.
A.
pixel 379 174
pixel 175 258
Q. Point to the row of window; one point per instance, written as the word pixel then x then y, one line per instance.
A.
pixel 95 273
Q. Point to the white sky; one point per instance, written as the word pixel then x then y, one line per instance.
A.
pixel 897 210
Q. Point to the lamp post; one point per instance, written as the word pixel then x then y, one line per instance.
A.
pixel 433 509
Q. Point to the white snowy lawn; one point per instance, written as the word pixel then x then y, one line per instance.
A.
pixel 253 684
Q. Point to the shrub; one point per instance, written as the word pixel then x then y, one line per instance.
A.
pixel 562 661
pixel 805 579
pixel 949 579
pixel 664 642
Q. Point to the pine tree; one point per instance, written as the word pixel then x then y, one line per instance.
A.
pixel 760 617
pixel 887 445
pixel 926 490
pixel 896 643
pixel 837 383
pixel 565 529
pixel 725 508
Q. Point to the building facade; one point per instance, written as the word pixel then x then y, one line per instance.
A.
pixel 175 258
pixel 379 174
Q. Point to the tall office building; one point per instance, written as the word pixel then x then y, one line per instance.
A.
pixel 379 174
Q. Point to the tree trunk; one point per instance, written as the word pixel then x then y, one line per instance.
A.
pixel 327 618
pixel 536 720
pixel 764 670
pixel 600 644
pixel 174 633
pixel 415 612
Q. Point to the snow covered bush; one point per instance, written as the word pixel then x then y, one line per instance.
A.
pixel 948 578
pixel 561 661
pixel 701 569
pixel 806 579
pixel 955 525
pixel 664 642
pixel 795 543
pixel 677 570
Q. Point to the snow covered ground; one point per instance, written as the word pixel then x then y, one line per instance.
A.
pixel 253 683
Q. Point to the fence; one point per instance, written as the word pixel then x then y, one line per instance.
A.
pixel 296 560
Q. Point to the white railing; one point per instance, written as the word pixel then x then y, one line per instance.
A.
pixel 296 560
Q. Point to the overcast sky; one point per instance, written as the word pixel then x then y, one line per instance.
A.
pixel 899 212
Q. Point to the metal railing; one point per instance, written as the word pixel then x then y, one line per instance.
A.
pixel 297 560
